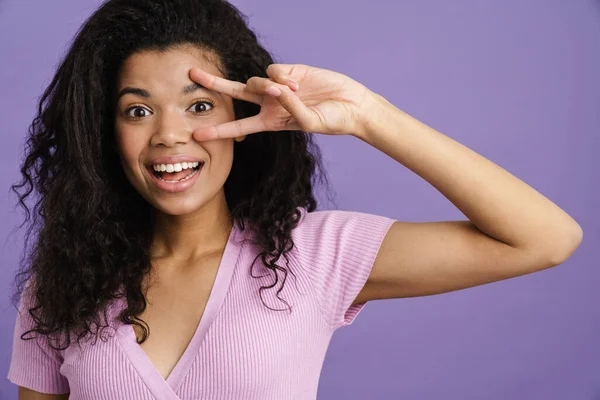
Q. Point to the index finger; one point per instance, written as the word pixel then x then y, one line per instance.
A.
pixel 231 88
pixel 231 129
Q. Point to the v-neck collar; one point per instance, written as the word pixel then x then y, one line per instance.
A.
pixel 167 389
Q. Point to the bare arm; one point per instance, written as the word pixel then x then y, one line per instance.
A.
pixel 28 394
pixel 512 229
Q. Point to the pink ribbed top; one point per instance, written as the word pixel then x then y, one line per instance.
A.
pixel 241 349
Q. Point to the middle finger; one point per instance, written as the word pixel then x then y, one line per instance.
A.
pixel 258 84
pixel 231 88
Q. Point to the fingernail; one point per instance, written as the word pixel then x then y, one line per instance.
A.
pixel 273 91
pixel 295 85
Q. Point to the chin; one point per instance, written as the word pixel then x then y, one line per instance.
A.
pixel 176 207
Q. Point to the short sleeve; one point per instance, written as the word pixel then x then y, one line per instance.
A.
pixel 34 364
pixel 337 249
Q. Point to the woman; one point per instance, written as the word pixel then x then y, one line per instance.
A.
pixel 176 192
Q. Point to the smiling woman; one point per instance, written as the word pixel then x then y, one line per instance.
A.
pixel 196 201
pixel 135 236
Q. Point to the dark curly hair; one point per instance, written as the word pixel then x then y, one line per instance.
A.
pixel 93 229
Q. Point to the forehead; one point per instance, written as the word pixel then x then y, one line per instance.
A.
pixel 169 67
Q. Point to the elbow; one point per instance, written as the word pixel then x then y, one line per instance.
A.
pixel 565 246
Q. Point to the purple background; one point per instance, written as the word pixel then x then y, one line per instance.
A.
pixel 517 81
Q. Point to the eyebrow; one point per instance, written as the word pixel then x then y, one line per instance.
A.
pixel 191 88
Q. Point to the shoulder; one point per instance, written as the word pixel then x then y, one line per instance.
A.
pixel 338 226
pixel 338 218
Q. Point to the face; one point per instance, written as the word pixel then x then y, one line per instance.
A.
pixel 157 110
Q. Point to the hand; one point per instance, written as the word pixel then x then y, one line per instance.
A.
pixel 326 102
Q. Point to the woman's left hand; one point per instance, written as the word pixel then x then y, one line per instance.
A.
pixel 326 102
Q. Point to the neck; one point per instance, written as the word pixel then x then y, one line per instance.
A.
pixel 192 236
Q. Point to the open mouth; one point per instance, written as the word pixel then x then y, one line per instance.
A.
pixel 177 176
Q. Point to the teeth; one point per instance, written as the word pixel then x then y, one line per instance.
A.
pixel 180 180
pixel 174 167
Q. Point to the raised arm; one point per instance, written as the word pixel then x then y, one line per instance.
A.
pixel 511 229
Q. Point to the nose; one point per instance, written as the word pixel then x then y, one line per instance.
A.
pixel 171 129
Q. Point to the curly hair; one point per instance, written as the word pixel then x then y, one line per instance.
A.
pixel 93 229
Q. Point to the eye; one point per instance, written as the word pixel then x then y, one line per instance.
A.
pixel 201 106
pixel 137 112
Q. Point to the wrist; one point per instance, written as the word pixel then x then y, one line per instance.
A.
pixel 375 110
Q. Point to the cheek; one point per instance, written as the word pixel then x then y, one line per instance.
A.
pixel 221 150
pixel 129 145
pixel 221 155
